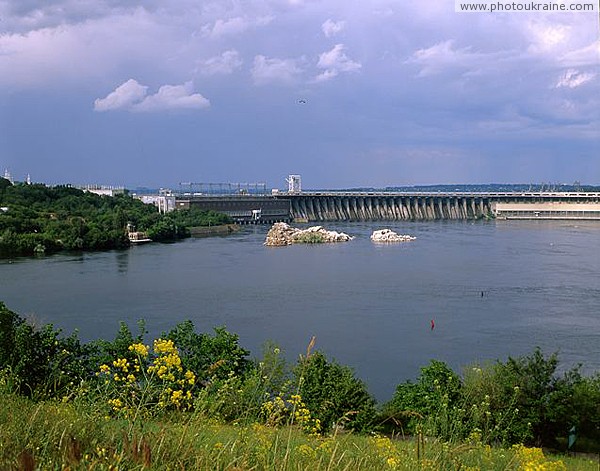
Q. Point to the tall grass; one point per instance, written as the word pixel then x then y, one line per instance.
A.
pixel 60 435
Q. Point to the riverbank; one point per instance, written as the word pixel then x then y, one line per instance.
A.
pixel 207 231
pixel 38 219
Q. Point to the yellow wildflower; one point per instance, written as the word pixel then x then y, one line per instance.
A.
pixel 190 377
pixel 164 346
pixel 140 349
pixel 307 450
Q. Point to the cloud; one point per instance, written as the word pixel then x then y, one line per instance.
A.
pixel 331 28
pixel 547 38
pixel 573 78
pixel 442 56
pixel 124 96
pixel 224 64
pixel 173 97
pixel 584 56
pixel 71 54
pixel 224 27
pixel 334 62
pixel 235 25
pixel 132 96
pixel 267 70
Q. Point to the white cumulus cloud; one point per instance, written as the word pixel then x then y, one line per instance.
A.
pixel 267 70
pixel 132 96
pixel 224 64
pixel 124 96
pixel 235 25
pixel 173 97
pixel 334 62
pixel 331 28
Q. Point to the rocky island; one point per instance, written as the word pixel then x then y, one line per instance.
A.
pixel 282 234
pixel 387 235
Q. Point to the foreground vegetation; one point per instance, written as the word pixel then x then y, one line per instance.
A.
pixel 52 435
pixel 43 219
pixel 196 401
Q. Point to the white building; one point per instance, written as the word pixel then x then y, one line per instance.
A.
pixel 294 183
pixel 8 176
pixel 104 190
pixel 164 201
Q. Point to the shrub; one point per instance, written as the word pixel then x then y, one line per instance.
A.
pixel 432 399
pixel 586 410
pixel 39 361
pixel 333 394
pixel 209 356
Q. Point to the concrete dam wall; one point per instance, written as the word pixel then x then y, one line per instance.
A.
pixel 367 206
pixel 388 207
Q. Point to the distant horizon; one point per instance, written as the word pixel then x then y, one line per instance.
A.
pixel 353 187
pixel 547 186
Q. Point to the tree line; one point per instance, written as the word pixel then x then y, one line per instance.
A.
pixel 43 219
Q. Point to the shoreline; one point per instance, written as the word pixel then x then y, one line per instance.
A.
pixel 207 231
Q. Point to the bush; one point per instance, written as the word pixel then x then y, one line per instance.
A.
pixel 210 357
pixel 39 361
pixel 586 411
pixel 430 400
pixel 333 394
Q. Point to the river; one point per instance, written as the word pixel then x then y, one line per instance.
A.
pixel 493 288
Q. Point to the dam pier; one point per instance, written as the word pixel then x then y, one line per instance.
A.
pixel 317 206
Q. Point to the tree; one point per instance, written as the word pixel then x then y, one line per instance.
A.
pixel 4 184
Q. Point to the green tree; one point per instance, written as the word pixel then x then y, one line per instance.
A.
pixel 48 219
pixel 4 184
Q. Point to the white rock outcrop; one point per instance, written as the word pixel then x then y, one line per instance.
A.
pixel 387 235
pixel 283 234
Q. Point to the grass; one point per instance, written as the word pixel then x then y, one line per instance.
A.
pixel 309 238
pixel 60 435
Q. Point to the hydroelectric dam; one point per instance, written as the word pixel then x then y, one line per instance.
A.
pixel 317 206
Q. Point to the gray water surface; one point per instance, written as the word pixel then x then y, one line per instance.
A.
pixel 369 305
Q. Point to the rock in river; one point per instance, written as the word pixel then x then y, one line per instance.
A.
pixel 387 235
pixel 283 234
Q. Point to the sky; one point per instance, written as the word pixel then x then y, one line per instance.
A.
pixel 345 93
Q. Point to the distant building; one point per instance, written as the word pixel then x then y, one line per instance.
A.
pixel 8 176
pixel 294 183
pixel 104 190
pixel 164 202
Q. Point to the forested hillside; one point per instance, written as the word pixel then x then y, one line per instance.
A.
pixel 43 219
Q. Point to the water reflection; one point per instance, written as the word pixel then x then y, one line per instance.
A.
pixel 122 258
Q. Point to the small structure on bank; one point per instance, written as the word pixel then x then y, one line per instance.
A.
pixel 282 234
pixel 387 235
pixel 136 237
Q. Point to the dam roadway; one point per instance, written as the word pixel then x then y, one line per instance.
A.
pixel 316 206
